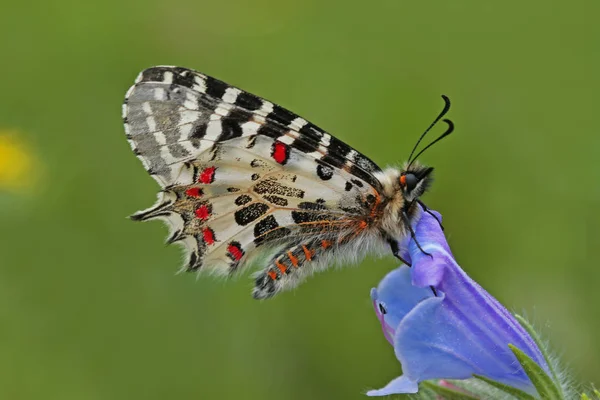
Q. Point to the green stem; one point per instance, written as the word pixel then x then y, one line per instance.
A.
pixel 538 341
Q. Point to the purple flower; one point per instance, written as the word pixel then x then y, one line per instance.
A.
pixel 459 331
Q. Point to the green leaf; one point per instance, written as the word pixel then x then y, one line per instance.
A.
pixel 538 341
pixel 542 382
pixel 596 396
pixel 447 393
pixel 519 394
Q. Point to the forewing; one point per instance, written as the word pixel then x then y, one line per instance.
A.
pixel 173 114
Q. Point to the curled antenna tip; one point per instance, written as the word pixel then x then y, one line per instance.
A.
pixel 446 104
pixel 444 111
pixel 450 128
pixel 448 131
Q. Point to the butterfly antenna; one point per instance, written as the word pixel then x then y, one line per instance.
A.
pixel 435 121
pixel 449 130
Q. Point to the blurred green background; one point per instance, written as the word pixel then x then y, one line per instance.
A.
pixel 90 306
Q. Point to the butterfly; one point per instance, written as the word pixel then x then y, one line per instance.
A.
pixel 243 179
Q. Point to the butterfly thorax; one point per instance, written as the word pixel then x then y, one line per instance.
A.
pixel 401 189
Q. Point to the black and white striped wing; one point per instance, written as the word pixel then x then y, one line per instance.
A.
pixel 172 114
pixel 239 172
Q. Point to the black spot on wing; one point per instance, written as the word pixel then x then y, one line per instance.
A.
pixel 248 101
pixel 278 201
pixel 307 205
pixel 336 153
pixel 239 115
pixel 265 225
pixel 198 132
pixel 154 74
pixel 215 88
pixel 324 172
pixel 230 129
pixel 305 145
pixel 274 187
pixel 363 162
pixel 250 213
pixel 303 217
pixel 243 199
pixel 256 163
pixel 185 79
pixel 312 132
pixel 270 130
pixel 267 230
pixel 281 115
pixel 357 182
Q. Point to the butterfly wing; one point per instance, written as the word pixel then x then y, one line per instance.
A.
pixel 240 173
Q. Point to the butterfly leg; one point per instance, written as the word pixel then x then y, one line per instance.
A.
pixel 428 211
pixel 290 267
pixel 396 251
pixel 412 233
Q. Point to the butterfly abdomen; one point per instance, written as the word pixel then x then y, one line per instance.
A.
pixel 292 265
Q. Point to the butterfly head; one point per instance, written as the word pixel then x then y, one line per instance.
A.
pixel 415 181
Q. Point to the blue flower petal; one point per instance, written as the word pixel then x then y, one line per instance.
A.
pixel 399 385
pixel 460 332
pixel 398 296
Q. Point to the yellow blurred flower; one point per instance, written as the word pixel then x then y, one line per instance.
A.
pixel 17 162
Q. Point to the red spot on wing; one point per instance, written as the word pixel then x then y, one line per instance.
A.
pixel 281 152
pixel 194 192
pixel 236 251
pixel 203 212
pixel 209 236
pixel 207 175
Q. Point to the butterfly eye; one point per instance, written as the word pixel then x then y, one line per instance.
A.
pixel 409 181
pixel 382 308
